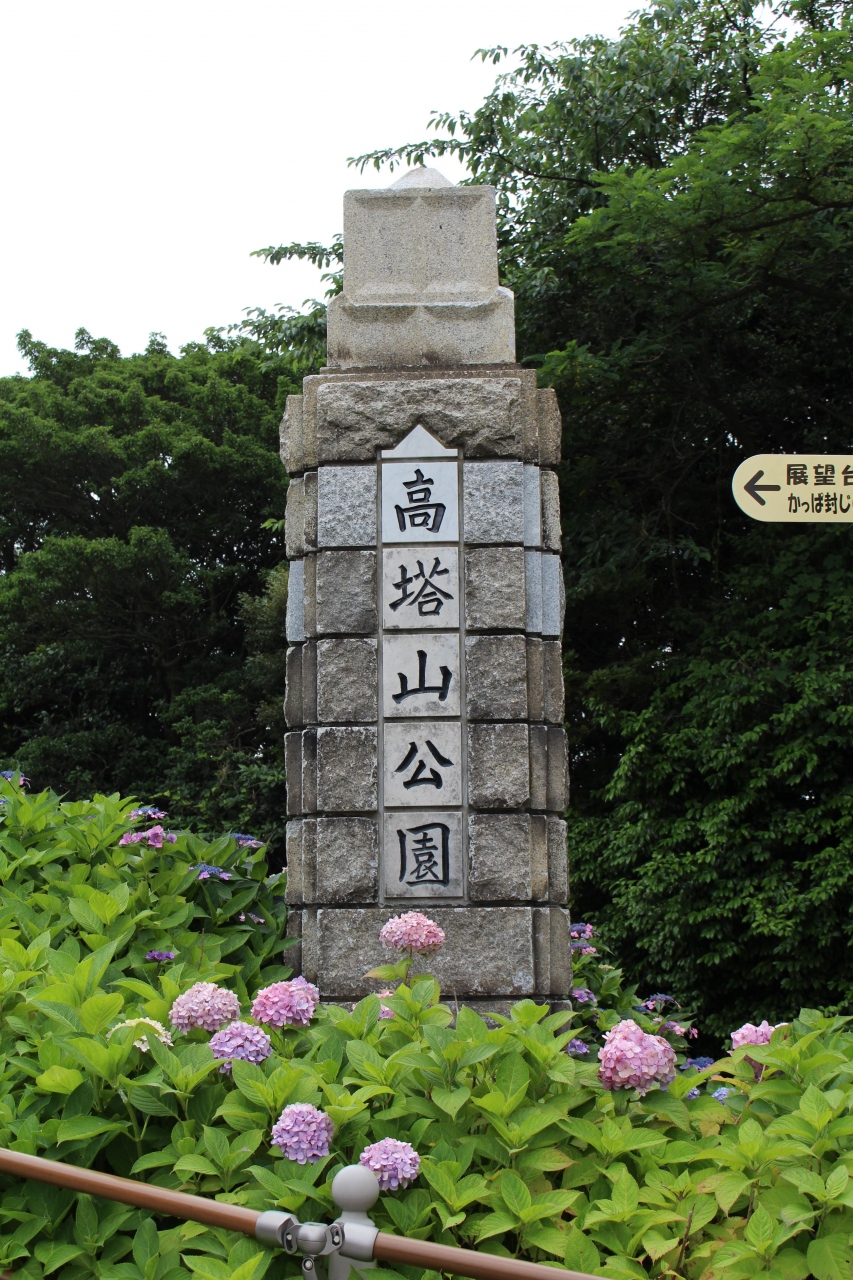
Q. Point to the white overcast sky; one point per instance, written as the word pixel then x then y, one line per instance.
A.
pixel 147 147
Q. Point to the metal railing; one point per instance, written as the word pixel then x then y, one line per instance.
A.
pixel 351 1241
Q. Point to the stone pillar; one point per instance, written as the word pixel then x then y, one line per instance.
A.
pixel 426 756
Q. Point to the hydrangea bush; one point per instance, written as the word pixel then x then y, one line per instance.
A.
pixel 150 1031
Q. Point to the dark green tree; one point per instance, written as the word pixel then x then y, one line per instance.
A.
pixel 142 600
pixel 675 219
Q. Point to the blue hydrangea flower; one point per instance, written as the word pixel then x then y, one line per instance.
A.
pixel 721 1094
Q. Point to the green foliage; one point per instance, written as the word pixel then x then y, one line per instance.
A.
pixel 675 220
pixel 141 603
pixel 523 1152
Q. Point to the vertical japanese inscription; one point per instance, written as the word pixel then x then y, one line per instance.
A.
pixel 421 680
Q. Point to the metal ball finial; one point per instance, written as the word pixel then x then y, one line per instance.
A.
pixel 355 1188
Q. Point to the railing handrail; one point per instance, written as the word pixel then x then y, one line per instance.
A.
pixel 214 1213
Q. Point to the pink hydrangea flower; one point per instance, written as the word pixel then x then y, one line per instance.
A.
pixel 384 1011
pixel 153 837
pixel 750 1034
pixel 395 1164
pixel 303 1133
pixel 412 932
pixel 286 1004
pixel 240 1040
pixel 205 1005
pixel 632 1059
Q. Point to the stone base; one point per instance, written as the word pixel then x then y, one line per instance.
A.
pixel 491 953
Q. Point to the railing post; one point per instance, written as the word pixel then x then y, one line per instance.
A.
pixel 354 1190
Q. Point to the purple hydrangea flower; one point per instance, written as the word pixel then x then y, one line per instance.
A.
pixel 750 1034
pixel 286 1004
pixel 721 1094
pixel 9 775
pixel 240 1040
pixel 148 811
pixel 154 837
pixel 413 932
pixel 246 842
pixel 395 1163
pixel 577 1046
pixel 692 1093
pixel 384 1011
pixel 632 1059
pixel 581 930
pixel 160 956
pixel 699 1063
pixel 303 1133
pixel 658 998
pixel 257 919
pixel 205 871
pixel 583 995
pixel 205 1005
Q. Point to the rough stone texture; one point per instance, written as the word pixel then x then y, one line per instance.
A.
pixel 293 771
pixel 499 857
pixel 346 506
pixel 538 766
pixel 550 426
pixel 493 495
pixel 532 506
pixel 552 538
pixel 494 589
pixel 483 415
pixel 558 860
pixel 488 952
pixel 347 864
pixel 553 596
pixel 346 681
pixel 554 691
pixel 420 281
pixel 293 715
pixel 498 766
pixel 294 520
pixel 496 677
pixel 290 433
pixel 294 891
pixel 533 590
pixel 309 595
pixel 539 887
pixel 309 771
pixel 309 682
pixel 345 592
pixel 535 679
pixel 558 771
pixel 295 619
pixel 552 951
pixel 346 769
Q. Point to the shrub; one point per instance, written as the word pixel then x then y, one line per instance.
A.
pixel 506 1133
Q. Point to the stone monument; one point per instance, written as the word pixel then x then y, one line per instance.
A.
pixel 426 756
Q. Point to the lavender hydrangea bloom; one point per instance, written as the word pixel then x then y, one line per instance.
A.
pixel 205 871
pixel 205 1005
pixel 699 1063
pixel 413 932
pixel 581 930
pixel 246 842
pixel 160 956
pixel 286 1004
pixel 577 1046
pixel 154 837
pixel 149 811
pixel 692 1093
pixel 384 1011
pixel 303 1133
pixel 583 995
pixel 721 1094
pixel 240 1040
pixel 632 1059
pixel 9 775
pixel 395 1163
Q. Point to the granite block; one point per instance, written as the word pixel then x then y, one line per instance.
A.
pixel 290 433
pixel 539 884
pixel 496 677
pixel 550 427
pixel 538 766
pixel 347 860
pixel 309 771
pixel 495 589
pixel 346 681
pixel 346 506
pixel 499 857
pixel 345 593
pixel 533 591
pixel 535 679
pixel 498 765
pixel 558 860
pixel 554 692
pixel 558 771
pixel 293 714
pixel 553 596
pixel 293 771
pixel 532 506
pixel 295 617
pixel 294 519
pixel 493 497
pixel 346 769
pixel 552 537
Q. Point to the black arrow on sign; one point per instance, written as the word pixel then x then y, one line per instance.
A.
pixel 752 487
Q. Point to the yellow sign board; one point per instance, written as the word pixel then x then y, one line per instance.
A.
pixel 799 488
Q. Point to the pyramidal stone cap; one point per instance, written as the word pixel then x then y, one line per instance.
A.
pixel 421 278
